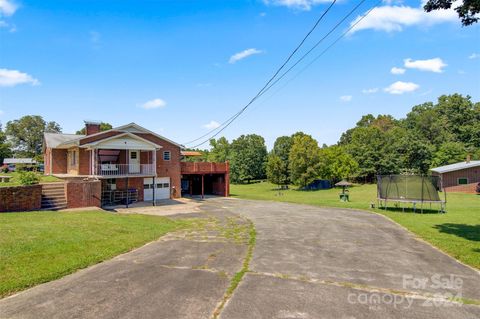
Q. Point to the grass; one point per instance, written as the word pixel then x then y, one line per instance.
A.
pixel 37 247
pixel 457 232
pixel 15 182
pixel 237 278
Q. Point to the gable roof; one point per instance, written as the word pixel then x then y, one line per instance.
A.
pixel 67 140
pixel 123 135
pixel 455 167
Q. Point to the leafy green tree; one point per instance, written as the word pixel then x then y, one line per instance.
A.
pixel 103 127
pixel 336 164
pixel 449 153
pixel 467 11
pixel 220 150
pixel 281 149
pixel 5 151
pixel 26 134
pixel 277 170
pixel 248 157
pixel 304 159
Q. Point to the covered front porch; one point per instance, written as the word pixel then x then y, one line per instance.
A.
pixel 125 155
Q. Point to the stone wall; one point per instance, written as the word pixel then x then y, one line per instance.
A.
pixel 20 198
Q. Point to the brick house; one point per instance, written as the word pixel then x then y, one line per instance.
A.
pixel 132 163
pixel 459 177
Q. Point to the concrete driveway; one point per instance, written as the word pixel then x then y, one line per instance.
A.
pixel 308 262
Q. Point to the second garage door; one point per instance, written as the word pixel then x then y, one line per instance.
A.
pixel 161 188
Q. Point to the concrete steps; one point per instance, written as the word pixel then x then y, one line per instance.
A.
pixel 53 196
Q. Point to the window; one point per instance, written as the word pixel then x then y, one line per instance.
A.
pixel 166 155
pixel 73 157
pixel 133 155
pixel 462 181
pixel 166 185
pixel 159 185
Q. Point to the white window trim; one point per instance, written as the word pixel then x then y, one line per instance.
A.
pixel 169 155
pixel 458 180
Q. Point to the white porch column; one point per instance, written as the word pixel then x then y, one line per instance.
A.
pixel 154 162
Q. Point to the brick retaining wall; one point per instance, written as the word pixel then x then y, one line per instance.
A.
pixel 468 188
pixel 83 193
pixel 20 198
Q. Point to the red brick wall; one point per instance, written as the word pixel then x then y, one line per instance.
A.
pixel 169 168
pixel 90 139
pixel 451 178
pixel 84 161
pixel 133 182
pixel 20 198
pixel 83 193
pixel 469 188
pixel 91 128
pixel 59 161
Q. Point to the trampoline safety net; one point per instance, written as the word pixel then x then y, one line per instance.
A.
pixel 409 188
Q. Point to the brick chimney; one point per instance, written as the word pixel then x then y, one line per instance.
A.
pixel 469 157
pixel 92 127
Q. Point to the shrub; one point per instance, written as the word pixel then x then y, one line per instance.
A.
pixel 28 178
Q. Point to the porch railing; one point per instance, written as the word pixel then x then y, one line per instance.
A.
pixel 125 169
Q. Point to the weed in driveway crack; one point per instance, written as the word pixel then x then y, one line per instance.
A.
pixel 237 278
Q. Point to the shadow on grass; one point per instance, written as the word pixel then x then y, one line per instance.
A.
pixel 411 210
pixel 470 232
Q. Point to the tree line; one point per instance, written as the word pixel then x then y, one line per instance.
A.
pixel 431 135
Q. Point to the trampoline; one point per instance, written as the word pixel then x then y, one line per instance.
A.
pixel 414 189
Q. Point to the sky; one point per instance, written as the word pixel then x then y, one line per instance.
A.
pixel 180 68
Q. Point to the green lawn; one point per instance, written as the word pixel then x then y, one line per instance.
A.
pixel 457 232
pixel 14 180
pixel 37 247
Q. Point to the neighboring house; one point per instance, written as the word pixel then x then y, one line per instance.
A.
pixel 130 161
pixel 11 163
pixel 461 177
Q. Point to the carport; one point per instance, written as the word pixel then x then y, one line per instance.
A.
pixel 201 178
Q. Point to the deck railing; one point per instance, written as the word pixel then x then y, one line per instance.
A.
pixel 203 167
pixel 125 169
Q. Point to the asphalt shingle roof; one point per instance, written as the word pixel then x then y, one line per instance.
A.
pixel 455 167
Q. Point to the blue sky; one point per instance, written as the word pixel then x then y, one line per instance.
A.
pixel 178 67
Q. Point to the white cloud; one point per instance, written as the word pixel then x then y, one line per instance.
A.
pixel 400 87
pixel 396 18
pixel 7 8
pixel 153 104
pixel 370 91
pixel 212 125
pixel 474 56
pixel 295 4
pixel 346 98
pixel 244 54
pixel 14 77
pixel 397 71
pixel 433 65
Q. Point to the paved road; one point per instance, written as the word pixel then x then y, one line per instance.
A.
pixel 308 262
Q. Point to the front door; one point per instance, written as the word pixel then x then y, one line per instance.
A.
pixel 134 162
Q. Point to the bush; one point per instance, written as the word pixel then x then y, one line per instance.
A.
pixel 28 178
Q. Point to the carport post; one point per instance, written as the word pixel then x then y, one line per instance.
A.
pixel 154 190
pixel 203 186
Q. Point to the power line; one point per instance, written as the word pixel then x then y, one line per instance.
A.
pixel 234 117
pixel 278 70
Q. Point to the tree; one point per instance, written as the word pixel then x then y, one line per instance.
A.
pixel 304 159
pixel 248 156
pixel 449 153
pixel 281 149
pixel 277 170
pixel 4 146
pixel 220 150
pixel 103 127
pixel 467 11
pixel 26 134
pixel 336 164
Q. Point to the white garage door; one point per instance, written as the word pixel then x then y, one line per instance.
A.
pixel 161 188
